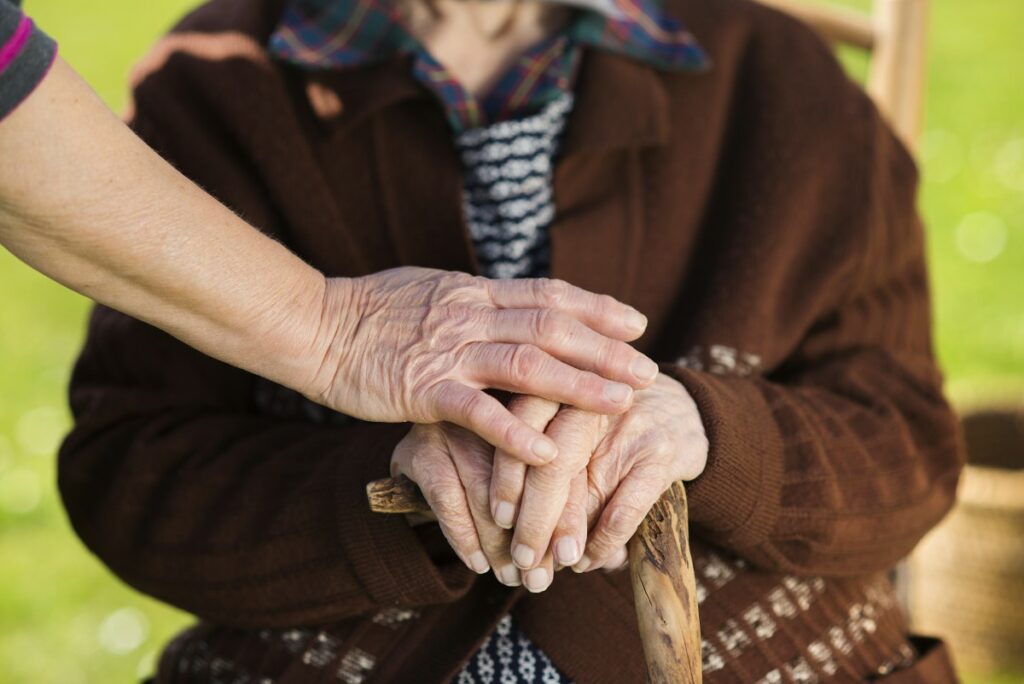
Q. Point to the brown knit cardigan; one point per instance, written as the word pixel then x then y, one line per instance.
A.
pixel 760 214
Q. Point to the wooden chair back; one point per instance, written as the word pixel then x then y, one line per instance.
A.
pixel 894 33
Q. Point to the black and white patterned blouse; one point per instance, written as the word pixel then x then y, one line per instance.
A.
pixel 509 206
pixel 509 657
pixel 507 193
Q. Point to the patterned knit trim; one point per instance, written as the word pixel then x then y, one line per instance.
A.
pixel 836 630
pixel 10 50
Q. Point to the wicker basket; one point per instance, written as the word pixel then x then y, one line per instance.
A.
pixel 967 576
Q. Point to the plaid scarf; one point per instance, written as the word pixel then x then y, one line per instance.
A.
pixel 338 34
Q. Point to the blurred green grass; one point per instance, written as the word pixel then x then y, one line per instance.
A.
pixel 64 619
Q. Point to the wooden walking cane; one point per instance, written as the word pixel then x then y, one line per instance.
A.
pixel 664 587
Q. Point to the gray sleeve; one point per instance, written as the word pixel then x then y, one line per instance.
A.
pixel 26 54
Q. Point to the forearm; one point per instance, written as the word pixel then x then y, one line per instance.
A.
pixel 83 200
pixel 86 202
pixel 197 487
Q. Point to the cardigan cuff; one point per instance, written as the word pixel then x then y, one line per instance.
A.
pixel 385 552
pixel 26 55
pixel 737 497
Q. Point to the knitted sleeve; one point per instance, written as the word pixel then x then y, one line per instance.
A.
pixel 832 450
pixel 26 54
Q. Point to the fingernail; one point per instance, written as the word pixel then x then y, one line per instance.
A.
pixel 644 369
pixel 509 576
pixel 523 556
pixel 567 551
pixel 617 393
pixel 537 579
pixel 504 514
pixel 478 563
pixel 544 449
pixel 635 320
pixel 582 565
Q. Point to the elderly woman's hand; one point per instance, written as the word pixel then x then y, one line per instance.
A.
pixel 422 344
pixel 452 467
pixel 609 473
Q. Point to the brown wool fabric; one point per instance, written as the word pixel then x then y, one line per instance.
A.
pixel 760 214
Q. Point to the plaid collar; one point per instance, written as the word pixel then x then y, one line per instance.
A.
pixel 338 34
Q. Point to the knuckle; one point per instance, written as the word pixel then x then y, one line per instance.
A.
pixel 509 473
pixel 427 471
pixel 545 491
pixel 479 496
pixel 509 430
pixel 607 304
pixel 619 355
pixel 555 292
pixel 495 546
pixel 478 283
pixel 574 511
pixel 501 289
pixel 624 519
pixel 699 440
pixel 691 465
pixel 472 405
pixel 508 489
pixel 690 471
pixel 444 507
pixel 603 477
pixel 524 362
pixel 588 383
pixel 479 478
pixel 477 317
pixel 571 462
pixel 442 322
pixel 449 396
pixel 444 395
pixel 508 470
pixel 533 409
pixel 552 478
pixel 468 325
pixel 446 504
pixel 458 283
pixel 550 326
pixel 531 529
pixel 462 538
pixel 477 486
pixel 594 502
pixel 662 450
pixel 580 426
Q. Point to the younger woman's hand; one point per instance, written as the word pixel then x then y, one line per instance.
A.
pixel 421 345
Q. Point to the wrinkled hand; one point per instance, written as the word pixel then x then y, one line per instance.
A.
pixel 541 503
pixel 452 467
pixel 586 504
pixel 421 345
pixel 525 522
